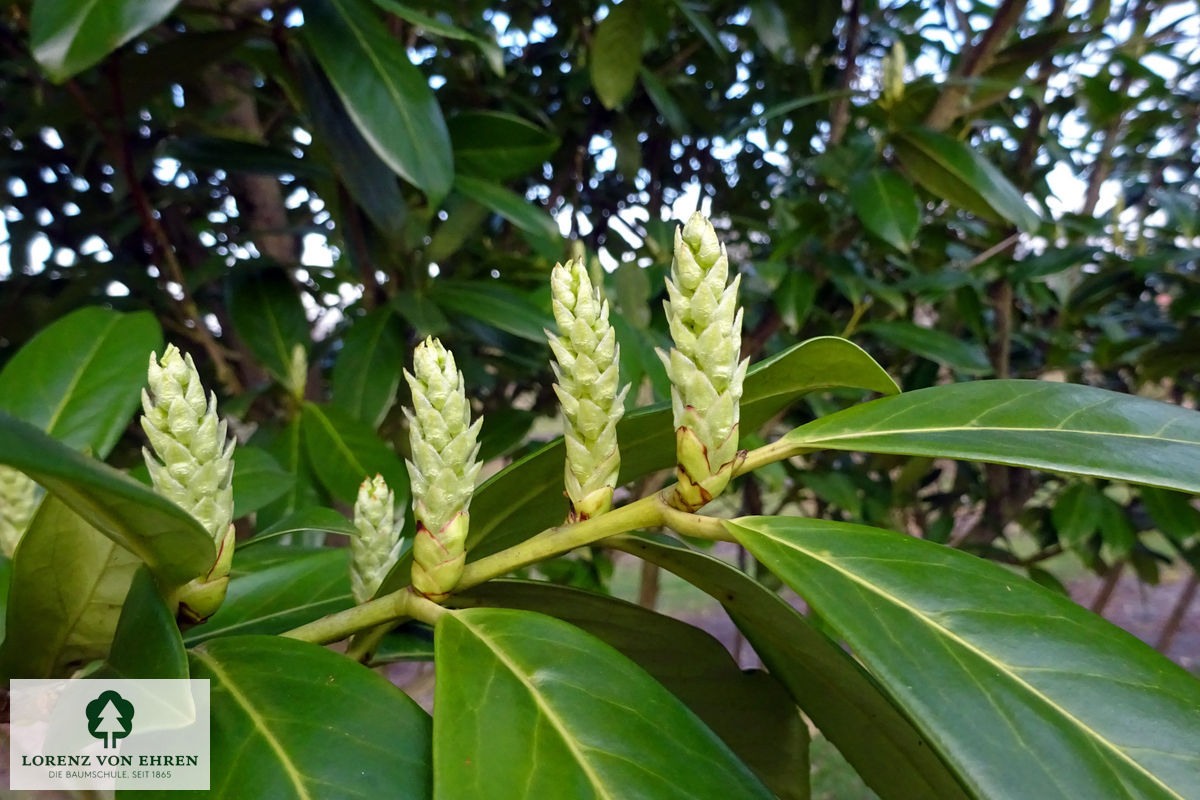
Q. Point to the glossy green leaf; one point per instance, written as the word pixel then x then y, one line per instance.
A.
pixel 147 643
pixel 952 171
pixel 344 452
pixel 749 710
pixel 1053 426
pixel 837 694
pixel 616 53
pixel 388 98
pixel 79 379
pixel 294 720
pixel 939 346
pixel 499 146
pixel 68 36
pixel 1005 665
pixel 364 174
pixel 526 496
pixel 303 586
pixel 664 101
pixel 68 584
pixel 412 641
pixel 287 448
pixel 496 305
pixel 367 373
pixel 887 206
pixel 1116 531
pixel 324 520
pixel 159 532
pixel 236 155
pixel 487 47
pixel 530 706
pixel 1172 512
pixel 1076 513
pixel 257 480
pixel 526 216
pixel 269 318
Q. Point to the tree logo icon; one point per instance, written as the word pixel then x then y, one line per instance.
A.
pixel 110 717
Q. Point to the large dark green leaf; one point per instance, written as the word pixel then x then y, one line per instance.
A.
pixel 835 692
pixel 159 532
pixel 749 710
pixel 79 379
pixel 988 664
pixel 539 227
pixel 68 584
pixel 323 520
pixel 388 98
pixel 367 372
pixel 269 318
pixel 304 585
pixel 236 155
pixel 147 643
pixel 294 720
pixel 487 47
pixel 529 706
pixel 497 305
pixel 364 174
pixel 344 452
pixel 526 496
pixel 287 447
pixel 257 480
pixel 887 206
pixel 1054 426
pixel 1172 512
pixel 939 346
pixel 952 171
pixel 499 146
pixel 616 53
pixel 68 36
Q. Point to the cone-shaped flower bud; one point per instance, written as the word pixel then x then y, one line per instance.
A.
pixel 191 463
pixel 586 355
pixel 706 375
pixel 443 468
pixel 17 503
pixel 376 549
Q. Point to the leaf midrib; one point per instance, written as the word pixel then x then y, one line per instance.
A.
pixel 984 429
pixel 1001 666
pixel 546 709
pixel 293 774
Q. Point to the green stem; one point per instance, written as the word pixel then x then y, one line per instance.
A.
pixel 693 524
pixel 390 607
pixel 648 512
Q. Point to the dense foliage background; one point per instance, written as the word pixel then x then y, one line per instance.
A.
pixel 301 191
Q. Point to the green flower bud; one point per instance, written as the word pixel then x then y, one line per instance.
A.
pixel 443 468
pixel 706 375
pixel 190 460
pixel 377 547
pixel 18 499
pixel 586 355
pixel 893 73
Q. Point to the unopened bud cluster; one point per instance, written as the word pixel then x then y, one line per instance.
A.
pixel 376 549
pixel 190 460
pixel 704 368
pixel 586 355
pixel 443 468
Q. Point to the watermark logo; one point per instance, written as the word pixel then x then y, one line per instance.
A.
pixel 109 717
pixel 115 734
